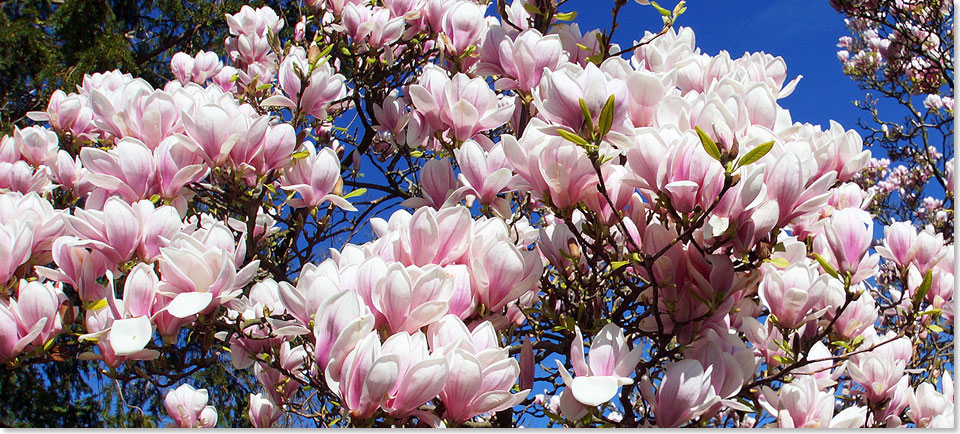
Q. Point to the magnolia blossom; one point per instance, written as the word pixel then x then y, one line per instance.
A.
pixel 611 364
pixel 685 392
pixel 188 407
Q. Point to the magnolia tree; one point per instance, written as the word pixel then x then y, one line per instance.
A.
pixel 449 213
pixel 903 51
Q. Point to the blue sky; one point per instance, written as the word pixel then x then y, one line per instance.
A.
pixel 804 33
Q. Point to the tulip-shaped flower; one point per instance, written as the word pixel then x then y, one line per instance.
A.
pixel 412 297
pixel 690 178
pixel 685 392
pixel 795 189
pixel 263 412
pixel 128 169
pixel 932 409
pixel 481 373
pixel 421 376
pixel 315 177
pixel 372 26
pixel 558 97
pixel 201 276
pixel 876 373
pixel 341 322
pixel 801 404
pixel 364 377
pixel 16 238
pixel 36 313
pixel 437 237
pixel 177 165
pixel 465 105
pixel 188 408
pixel 438 186
pixel 503 273
pixel 521 61
pixel 309 89
pixel 463 24
pixel 848 235
pixel 791 294
pixel 611 364
pixel 553 168
pixel 116 229
pixel 485 174
pixel 36 144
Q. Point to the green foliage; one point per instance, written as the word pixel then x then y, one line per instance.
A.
pixel 50 44
pixel 54 394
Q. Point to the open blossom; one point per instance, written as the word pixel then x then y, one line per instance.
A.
pixel 465 106
pixel 481 374
pixel 309 88
pixel 800 404
pixel 315 177
pixel 611 364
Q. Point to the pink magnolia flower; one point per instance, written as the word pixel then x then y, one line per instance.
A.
pixel 733 363
pixel 412 297
pixel 371 25
pixel 558 96
pixel 438 186
pixel 16 240
pixel 200 270
pixel 552 167
pixel 68 113
pixel 690 177
pixel 315 177
pixel 437 237
pixel 463 25
pixel 932 409
pixel 37 311
pixel 421 376
pixel 685 392
pixel 177 165
pixel 464 105
pixel 485 173
pixel 79 264
pixel 116 229
pixel 310 88
pixel 794 189
pixel 341 322
pixel 792 294
pixel 365 376
pixel 521 60
pixel 188 407
pixel 611 364
pixel 226 131
pixel 197 68
pixel 879 375
pixel 128 169
pixel 35 144
pixel 900 243
pixel 857 317
pixel 502 272
pixel 481 373
pixel 801 404
pixel 263 412
pixel 848 234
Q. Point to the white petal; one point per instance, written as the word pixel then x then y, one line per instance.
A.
pixel 189 303
pixel 594 390
pixel 127 336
